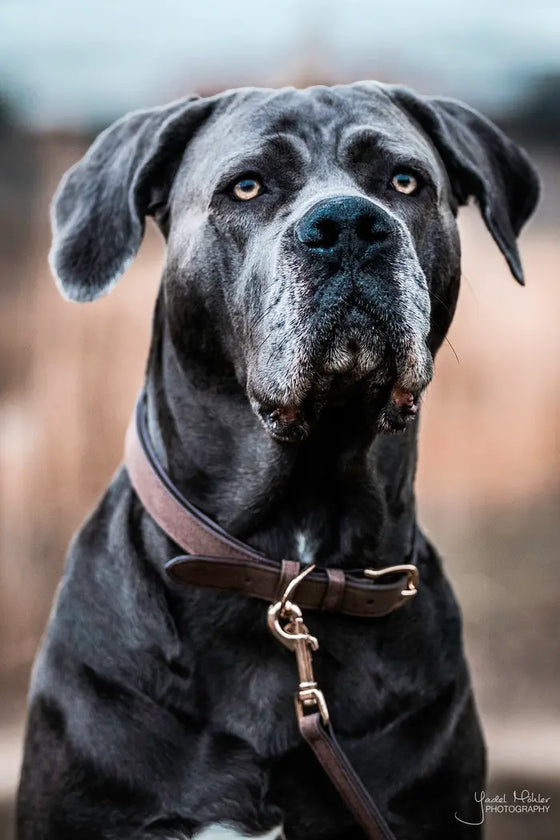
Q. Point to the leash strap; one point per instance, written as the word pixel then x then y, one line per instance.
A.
pixel 334 762
pixel 285 622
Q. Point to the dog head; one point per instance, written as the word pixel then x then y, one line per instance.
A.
pixel 313 231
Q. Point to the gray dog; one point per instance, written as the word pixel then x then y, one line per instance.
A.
pixel 312 272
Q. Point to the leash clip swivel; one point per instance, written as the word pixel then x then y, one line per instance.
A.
pixel 295 636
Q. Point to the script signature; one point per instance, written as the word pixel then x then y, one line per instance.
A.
pixel 524 802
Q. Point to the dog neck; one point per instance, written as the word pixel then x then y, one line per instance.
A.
pixel 343 497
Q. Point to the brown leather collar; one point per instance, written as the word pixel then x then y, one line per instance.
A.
pixel 217 560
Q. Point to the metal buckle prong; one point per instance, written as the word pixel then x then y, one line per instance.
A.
pixel 411 572
pixel 292 586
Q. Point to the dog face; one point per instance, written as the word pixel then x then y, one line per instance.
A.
pixel 313 230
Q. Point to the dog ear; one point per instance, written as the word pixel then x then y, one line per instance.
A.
pixel 481 162
pixel 99 208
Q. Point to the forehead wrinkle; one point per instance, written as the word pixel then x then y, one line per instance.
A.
pixel 306 136
pixel 263 152
pixel 308 123
pixel 288 145
pixel 360 137
pixel 313 114
pixel 363 139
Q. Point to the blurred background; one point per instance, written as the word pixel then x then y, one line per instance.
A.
pixel 489 475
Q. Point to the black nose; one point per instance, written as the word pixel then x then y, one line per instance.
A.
pixel 344 222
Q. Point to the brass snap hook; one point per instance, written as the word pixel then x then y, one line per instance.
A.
pixel 294 635
pixel 294 631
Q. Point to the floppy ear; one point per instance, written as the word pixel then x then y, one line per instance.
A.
pixel 481 162
pixel 99 208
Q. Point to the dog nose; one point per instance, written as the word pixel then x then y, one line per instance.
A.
pixel 344 222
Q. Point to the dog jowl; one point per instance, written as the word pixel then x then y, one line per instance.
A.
pixel 312 270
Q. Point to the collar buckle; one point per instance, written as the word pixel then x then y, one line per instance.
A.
pixel 408 569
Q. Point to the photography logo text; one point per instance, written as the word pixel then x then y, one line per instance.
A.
pixel 516 802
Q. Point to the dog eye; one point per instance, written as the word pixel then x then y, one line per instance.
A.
pixel 405 182
pixel 246 189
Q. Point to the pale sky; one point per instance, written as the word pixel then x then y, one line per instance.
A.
pixel 80 62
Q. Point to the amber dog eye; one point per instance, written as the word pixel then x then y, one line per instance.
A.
pixel 405 182
pixel 246 189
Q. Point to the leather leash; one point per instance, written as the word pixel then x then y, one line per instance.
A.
pixel 217 560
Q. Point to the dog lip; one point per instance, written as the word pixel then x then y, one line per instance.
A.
pixel 285 424
pixel 405 401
